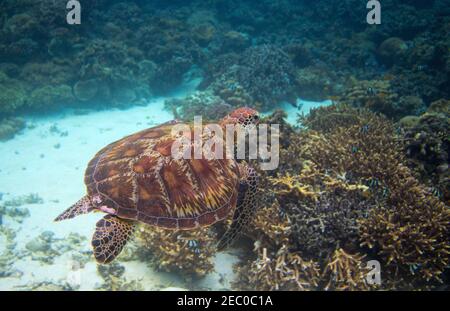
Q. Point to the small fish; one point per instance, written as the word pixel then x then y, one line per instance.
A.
pixel 282 213
pixel 365 129
pixel 422 67
pixel 193 244
pixel 355 149
pixel 371 91
pixel 386 192
pixel 373 183
pixel 436 192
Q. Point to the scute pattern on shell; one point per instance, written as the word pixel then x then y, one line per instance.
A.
pixel 139 179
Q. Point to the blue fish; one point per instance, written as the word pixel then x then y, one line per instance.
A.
pixel 365 129
pixel 193 244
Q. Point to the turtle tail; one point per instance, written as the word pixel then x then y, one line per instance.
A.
pixel 83 206
pixel 245 208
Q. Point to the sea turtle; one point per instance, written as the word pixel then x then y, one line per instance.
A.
pixel 136 179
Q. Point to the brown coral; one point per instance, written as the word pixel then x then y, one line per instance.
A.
pixel 188 252
pixel 345 271
pixel 343 193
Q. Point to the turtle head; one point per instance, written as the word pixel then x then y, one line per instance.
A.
pixel 244 116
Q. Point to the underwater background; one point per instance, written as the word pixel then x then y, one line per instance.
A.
pixel 364 118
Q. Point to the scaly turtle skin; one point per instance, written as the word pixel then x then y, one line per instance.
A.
pixel 136 179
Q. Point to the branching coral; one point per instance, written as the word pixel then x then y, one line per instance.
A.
pixel 317 229
pixel 411 233
pixel 344 194
pixel 281 271
pixel 188 252
pixel 345 271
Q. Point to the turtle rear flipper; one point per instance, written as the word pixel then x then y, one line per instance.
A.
pixel 111 235
pixel 83 206
pixel 245 207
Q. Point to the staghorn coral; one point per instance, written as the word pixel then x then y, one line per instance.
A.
pixel 344 194
pixel 411 234
pixel 345 271
pixel 187 252
pixel 281 271
pixel 317 229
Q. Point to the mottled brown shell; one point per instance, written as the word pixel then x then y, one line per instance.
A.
pixel 138 178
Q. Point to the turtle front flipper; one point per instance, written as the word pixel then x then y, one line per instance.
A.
pixel 245 207
pixel 83 206
pixel 111 235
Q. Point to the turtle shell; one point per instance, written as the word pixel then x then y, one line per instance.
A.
pixel 140 180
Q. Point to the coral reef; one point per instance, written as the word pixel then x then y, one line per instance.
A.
pixel 12 95
pixel 133 50
pixel 427 146
pixel 51 97
pixel 345 271
pixel 187 252
pixel 380 96
pixel 262 77
pixel 10 127
pixel 343 195
pixel 392 51
pixel 204 104
pixel 350 186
